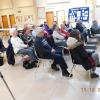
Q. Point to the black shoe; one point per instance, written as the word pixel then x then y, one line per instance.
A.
pixel 98 65
pixel 94 75
pixel 54 67
pixel 67 74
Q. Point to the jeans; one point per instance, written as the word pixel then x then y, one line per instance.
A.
pixel 28 51
pixel 96 58
pixel 58 59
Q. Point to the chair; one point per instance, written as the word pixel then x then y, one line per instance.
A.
pixel 44 64
pixel 75 63
pixel 41 60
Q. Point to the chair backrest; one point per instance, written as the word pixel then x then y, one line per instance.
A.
pixel 72 57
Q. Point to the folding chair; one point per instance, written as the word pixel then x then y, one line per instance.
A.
pixel 41 60
pixel 75 63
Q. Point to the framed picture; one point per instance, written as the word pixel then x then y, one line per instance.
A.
pixel 18 19
pixel 41 12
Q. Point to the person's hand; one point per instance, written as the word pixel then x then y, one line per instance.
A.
pixel 53 51
pixel 27 46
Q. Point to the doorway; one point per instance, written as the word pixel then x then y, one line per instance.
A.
pixel 12 20
pixel 5 21
pixel 50 18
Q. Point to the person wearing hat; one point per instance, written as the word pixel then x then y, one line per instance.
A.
pixel 45 51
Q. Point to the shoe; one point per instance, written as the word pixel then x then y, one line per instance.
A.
pixel 54 67
pixel 98 65
pixel 94 75
pixel 67 74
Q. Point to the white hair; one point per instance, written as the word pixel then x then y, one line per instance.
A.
pixel 39 29
pixel 12 30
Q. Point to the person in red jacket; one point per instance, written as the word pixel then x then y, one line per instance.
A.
pixel 63 31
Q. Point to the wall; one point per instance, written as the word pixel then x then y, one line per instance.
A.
pixel 97 10
pixel 65 6
pixel 21 9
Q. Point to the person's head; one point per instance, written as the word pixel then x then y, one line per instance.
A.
pixel 33 26
pixel 54 22
pixel 26 31
pixel 95 22
pixel 13 32
pixel 68 22
pixel 62 26
pixel 45 22
pixel 56 29
pixel 79 21
pixel 40 31
pixel 64 22
pixel 75 34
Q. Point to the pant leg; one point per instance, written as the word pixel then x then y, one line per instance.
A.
pixel 58 59
pixel 96 58
pixel 29 52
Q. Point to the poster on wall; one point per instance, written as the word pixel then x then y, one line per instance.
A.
pixel 41 12
pixel 28 19
pixel 80 13
pixel 19 19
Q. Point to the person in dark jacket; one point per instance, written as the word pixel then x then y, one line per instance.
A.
pixel 10 54
pixel 95 28
pixel 82 30
pixel 2 48
pixel 45 51
pixel 80 55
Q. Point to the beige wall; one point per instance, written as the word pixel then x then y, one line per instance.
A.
pixel 23 8
pixel 20 8
pixel 65 6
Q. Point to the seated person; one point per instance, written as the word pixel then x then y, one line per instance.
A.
pixel 34 31
pixel 83 30
pixel 2 48
pixel 87 59
pixel 27 37
pixel 58 38
pixel 45 51
pixel 21 48
pixel 95 29
pixel 64 32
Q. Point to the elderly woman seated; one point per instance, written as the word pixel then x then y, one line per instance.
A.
pixel 89 60
pixel 21 48
pixel 58 38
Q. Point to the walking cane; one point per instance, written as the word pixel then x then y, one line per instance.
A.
pixel 7 86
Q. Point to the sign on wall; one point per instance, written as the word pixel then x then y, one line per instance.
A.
pixel 81 13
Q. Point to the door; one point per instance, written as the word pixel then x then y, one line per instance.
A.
pixel 50 18
pixel 12 20
pixel 5 21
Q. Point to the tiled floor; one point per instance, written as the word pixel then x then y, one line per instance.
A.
pixel 45 84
